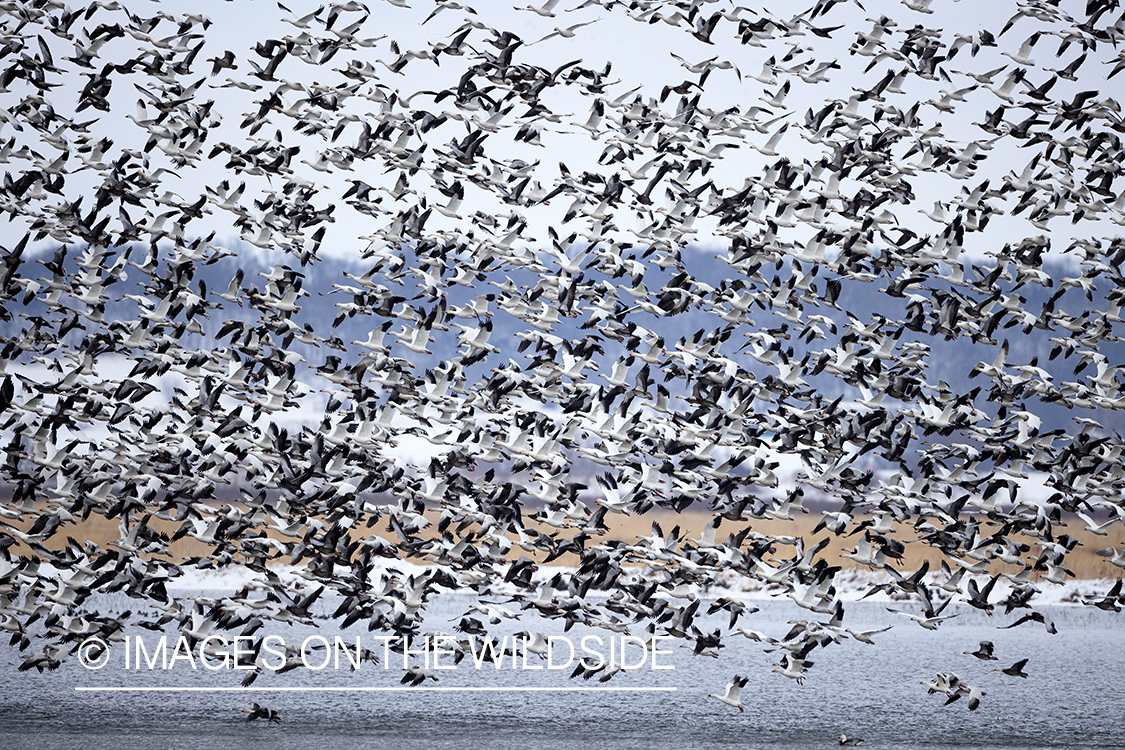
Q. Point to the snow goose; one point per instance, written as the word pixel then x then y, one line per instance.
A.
pixel 983 652
pixel 732 695
pixel 262 712
pixel 1016 670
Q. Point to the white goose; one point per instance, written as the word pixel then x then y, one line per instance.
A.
pixel 734 690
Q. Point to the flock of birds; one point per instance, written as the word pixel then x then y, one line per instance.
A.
pixel 132 392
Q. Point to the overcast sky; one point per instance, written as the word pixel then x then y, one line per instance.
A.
pixel 640 56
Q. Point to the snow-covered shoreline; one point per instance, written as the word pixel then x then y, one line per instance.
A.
pixel 851 584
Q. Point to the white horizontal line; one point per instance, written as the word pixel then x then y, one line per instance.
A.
pixel 374 689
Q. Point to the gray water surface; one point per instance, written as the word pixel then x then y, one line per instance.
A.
pixel 1071 698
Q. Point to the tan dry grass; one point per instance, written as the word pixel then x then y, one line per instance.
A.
pixel 1083 561
pixel 101 531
